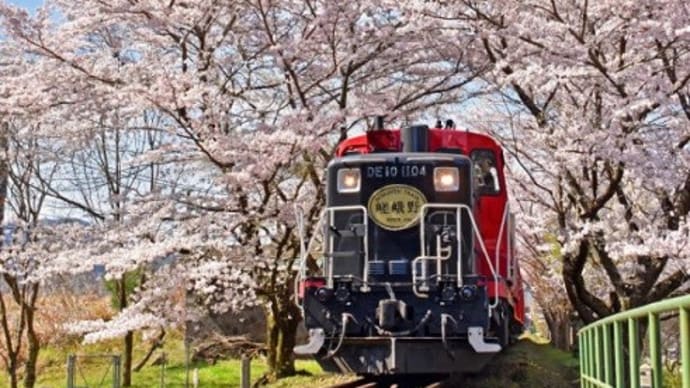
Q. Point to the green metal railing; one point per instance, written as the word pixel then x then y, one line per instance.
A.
pixel 603 362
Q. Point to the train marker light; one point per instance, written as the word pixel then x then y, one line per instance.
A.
pixel 468 292
pixel 348 180
pixel 342 294
pixel 446 179
pixel 323 294
pixel 448 294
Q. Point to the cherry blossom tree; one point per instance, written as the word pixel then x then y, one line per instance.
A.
pixel 542 267
pixel 253 96
pixel 101 178
pixel 22 257
pixel 592 102
pixel 29 251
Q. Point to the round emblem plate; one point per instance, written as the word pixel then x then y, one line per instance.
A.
pixel 396 207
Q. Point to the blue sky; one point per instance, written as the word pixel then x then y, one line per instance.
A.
pixel 30 4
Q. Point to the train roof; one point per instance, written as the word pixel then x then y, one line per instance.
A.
pixel 357 158
pixel 440 140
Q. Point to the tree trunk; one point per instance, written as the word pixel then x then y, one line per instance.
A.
pixel 559 328
pixel 127 361
pixel 31 360
pixel 12 371
pixel 32 340
pixel 12 350
pixel 281 326
pixel 129 337
pixel 158 342
pixel 4 178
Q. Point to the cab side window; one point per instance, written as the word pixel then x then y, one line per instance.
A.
pixel 485 172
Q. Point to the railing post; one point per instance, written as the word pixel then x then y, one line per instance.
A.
pixel 582 351
pixel 246 372
pixel 597 353
pixel 592 351
pixel 618 353
pixel 116 371
pixel 71 363
pixel 634 351
pixel 685 345
pixel 164 363
pixel 655 350
pixel 587 355
pixel 608 372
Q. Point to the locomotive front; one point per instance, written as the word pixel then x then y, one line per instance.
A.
pixel 399 291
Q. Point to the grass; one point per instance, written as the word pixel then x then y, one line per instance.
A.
pixel 222 374
pixel 527 364
pixel 310 376
pixel 97 372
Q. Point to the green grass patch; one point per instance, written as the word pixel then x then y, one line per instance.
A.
pixel 310 375
pixel 222 374
pixel 527 364
pixel 97 372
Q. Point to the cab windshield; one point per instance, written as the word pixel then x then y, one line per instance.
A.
pixel 485 172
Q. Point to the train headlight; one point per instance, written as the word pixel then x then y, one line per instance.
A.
pixel 446 179
pixel 349 180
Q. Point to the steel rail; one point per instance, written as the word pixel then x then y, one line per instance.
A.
pixel 395 381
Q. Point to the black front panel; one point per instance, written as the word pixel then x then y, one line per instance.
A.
pixel 325 309
pixel 395 182
pixel 378 170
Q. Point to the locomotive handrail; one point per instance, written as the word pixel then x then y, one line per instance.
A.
pixel 422 244
pixel 365 220
pixel 304 252
pixel 459 208
pixel 328 270
pixel 424 277
pixel 497 252
pixel 509 245
pixel 299 215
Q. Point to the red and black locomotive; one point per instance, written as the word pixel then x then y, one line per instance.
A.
pixel 418 273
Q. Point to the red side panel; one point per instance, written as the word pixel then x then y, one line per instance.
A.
pixel 372 141
pixel 310 283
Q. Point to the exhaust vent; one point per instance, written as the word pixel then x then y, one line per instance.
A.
pixel 415 138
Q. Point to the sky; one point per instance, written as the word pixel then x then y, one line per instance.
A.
pixel 30 4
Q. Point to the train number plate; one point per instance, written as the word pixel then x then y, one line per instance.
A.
pixel 396 207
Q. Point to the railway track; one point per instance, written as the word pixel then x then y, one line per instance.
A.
pixel 394 382
pixel 359 383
